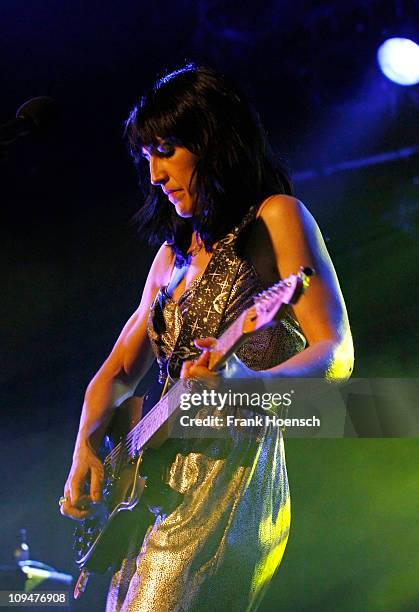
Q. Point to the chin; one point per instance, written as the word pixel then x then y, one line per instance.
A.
pixel 184 212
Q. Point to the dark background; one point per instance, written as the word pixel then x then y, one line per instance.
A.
pixel 73 266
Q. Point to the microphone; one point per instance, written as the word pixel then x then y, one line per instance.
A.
pixel 35 115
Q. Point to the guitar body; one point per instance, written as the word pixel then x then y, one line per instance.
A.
pixel 133 492
pixel 102 539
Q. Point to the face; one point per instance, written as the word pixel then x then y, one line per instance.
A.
pixel 171 168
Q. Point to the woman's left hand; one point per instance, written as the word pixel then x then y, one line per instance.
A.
pixel 199 367
pixel 234 368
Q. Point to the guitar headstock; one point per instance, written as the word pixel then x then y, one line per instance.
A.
pixel 270 303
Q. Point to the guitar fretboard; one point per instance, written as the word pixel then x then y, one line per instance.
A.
pixel 158 415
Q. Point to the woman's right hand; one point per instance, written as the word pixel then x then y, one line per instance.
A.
pixel 86 467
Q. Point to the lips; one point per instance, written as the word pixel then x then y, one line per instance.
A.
pixel 170 191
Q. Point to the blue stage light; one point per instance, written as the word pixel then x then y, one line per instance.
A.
pixel 398 58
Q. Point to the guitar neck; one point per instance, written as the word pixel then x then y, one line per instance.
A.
pixel 248 323
pixel 228 342
pixel 158 415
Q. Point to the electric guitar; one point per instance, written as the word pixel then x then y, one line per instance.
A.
pixel 131 444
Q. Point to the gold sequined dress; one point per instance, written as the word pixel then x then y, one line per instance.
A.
pixel 220 547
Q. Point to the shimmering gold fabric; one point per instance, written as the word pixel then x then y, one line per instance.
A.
pixel 220 547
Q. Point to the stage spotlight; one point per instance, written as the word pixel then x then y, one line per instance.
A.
pixel 398 59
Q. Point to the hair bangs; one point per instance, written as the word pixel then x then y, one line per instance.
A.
pixel 156 123
pixel 166 112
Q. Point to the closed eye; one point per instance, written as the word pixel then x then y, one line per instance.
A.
pixel 158 151
pixel 163 150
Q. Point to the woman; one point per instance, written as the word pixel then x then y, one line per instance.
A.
pixel 230 227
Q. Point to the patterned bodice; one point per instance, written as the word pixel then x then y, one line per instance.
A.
pixel 262 351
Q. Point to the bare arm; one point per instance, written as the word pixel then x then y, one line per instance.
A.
pixel 321 312
pixel 115 381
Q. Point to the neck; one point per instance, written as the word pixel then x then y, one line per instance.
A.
pixel 196 244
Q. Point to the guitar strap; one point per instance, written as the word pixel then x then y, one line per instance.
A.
pixel 205 312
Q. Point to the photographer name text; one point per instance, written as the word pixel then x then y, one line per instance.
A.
pixel 253 421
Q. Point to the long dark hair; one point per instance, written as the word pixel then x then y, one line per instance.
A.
pixel 197 108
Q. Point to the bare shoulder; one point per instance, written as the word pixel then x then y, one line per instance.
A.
pixel 289 222
pixel 162 265
pixel 281 207
pixel 157 277
pixel 296 238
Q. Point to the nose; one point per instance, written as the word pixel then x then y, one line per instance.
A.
pixel 158 175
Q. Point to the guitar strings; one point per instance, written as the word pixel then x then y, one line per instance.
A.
pixel 128 442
